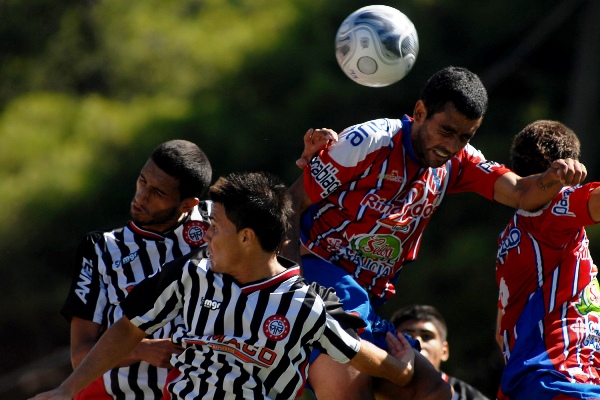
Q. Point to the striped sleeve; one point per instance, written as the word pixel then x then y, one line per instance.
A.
pixel 157 299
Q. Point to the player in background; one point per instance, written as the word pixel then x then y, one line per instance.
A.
pixel 425 323
pixel 364 201
pixel 549 303
pixel 248 320
pixel 168 220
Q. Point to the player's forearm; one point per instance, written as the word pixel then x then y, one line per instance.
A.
pixel 374 361
pixel 118 341
pixel 538 190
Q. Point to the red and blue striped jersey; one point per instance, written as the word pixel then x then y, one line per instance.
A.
pixel 372 199
pixel 549 296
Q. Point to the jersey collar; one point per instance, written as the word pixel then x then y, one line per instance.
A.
pixel 291 271
pixel 406 141
pixel 153 235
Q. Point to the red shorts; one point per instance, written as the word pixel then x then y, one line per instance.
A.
pixel 94 391
pixel 171 376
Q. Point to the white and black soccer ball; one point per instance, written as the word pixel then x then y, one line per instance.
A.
pixel 376 45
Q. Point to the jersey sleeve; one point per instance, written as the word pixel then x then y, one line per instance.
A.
pixel 339 339
pixel 348 159
pixel 87 297
pixel 569 209
pixel 471 172
pixel 157 299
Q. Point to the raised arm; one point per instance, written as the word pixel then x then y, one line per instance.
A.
pixel 533 192
pixel 116 343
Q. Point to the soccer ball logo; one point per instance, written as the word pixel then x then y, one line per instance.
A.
pixel 376 46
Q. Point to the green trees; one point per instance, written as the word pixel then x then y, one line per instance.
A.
pixel 87 89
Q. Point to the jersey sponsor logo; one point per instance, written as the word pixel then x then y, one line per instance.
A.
pixel 386 247
pixel 132 256
pixel 588 332
pixel 85 279
pixel 419 202
pixel 210 304
pixel 487 166
pixel 394 177
pixel 561 208
pixel 260 356
pixel 325 176
pixel 193 233
pixel 378 267
pixel 276 327
pixel 589 299
pixel 511 241
pixel 333 244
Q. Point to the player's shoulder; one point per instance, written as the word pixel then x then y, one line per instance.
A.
pixel 96 236
pixel 376 129
pixel 173 269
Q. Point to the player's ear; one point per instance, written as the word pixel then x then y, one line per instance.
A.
pixel 445 351
pixel 247 236
pixel 420 112
pixel 188 204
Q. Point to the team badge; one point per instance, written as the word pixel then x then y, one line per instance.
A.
pixel 276 327
pixel 193 233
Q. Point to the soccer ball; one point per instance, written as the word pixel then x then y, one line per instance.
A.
pixel 376 46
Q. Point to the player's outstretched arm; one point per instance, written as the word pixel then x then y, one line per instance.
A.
pixel 315 140
pixel 118 341
pixel 533 192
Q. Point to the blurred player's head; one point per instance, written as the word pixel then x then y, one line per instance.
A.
pixel 446 117
pixel 427 325
pixel 539 144
pixel 257 201
pixel 170 184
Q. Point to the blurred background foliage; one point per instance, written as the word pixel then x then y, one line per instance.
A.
pixel 89 88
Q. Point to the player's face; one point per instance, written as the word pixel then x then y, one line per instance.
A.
pixel 432 346
pixel 223 242
pixel 438 138
pixel 156 204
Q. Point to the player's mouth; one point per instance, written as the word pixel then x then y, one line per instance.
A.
pixel 442 155
pixel 136 210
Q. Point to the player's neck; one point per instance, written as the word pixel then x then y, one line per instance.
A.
pixel 258 267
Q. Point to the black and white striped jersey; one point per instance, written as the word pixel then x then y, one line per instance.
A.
pixel 108 265
pixel 241 341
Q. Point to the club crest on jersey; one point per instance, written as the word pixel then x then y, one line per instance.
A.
pixel 276 327
pixel 386 247
pixel 193 233
pixel 325 176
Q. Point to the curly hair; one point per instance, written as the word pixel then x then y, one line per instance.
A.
pixel 539 144
pixel 458 86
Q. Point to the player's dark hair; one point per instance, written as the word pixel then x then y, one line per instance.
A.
pixel 258 201
pixel 539 144
pixel 458 86
pixel 418 312
pixel 186 162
